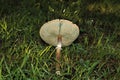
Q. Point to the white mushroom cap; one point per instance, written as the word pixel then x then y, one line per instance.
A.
pixel 50 31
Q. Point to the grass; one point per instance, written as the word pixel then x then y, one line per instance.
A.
pixel 95 55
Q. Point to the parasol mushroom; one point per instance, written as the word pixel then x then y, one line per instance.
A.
pixel 59 33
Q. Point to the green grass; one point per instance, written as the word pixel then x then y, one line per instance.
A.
pixel 95 55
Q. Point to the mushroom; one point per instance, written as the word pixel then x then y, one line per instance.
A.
pixel 59 33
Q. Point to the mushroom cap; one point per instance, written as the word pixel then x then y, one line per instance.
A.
pixel 50 31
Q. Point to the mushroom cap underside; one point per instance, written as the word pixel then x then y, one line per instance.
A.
pixel 50 31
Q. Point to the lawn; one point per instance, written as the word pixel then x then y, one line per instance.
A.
pixel 95 55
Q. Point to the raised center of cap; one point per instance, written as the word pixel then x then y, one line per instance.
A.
pixel 60 24
pixel 59 39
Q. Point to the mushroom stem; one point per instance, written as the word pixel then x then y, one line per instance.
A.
pixel 58 61
pixel 58 52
